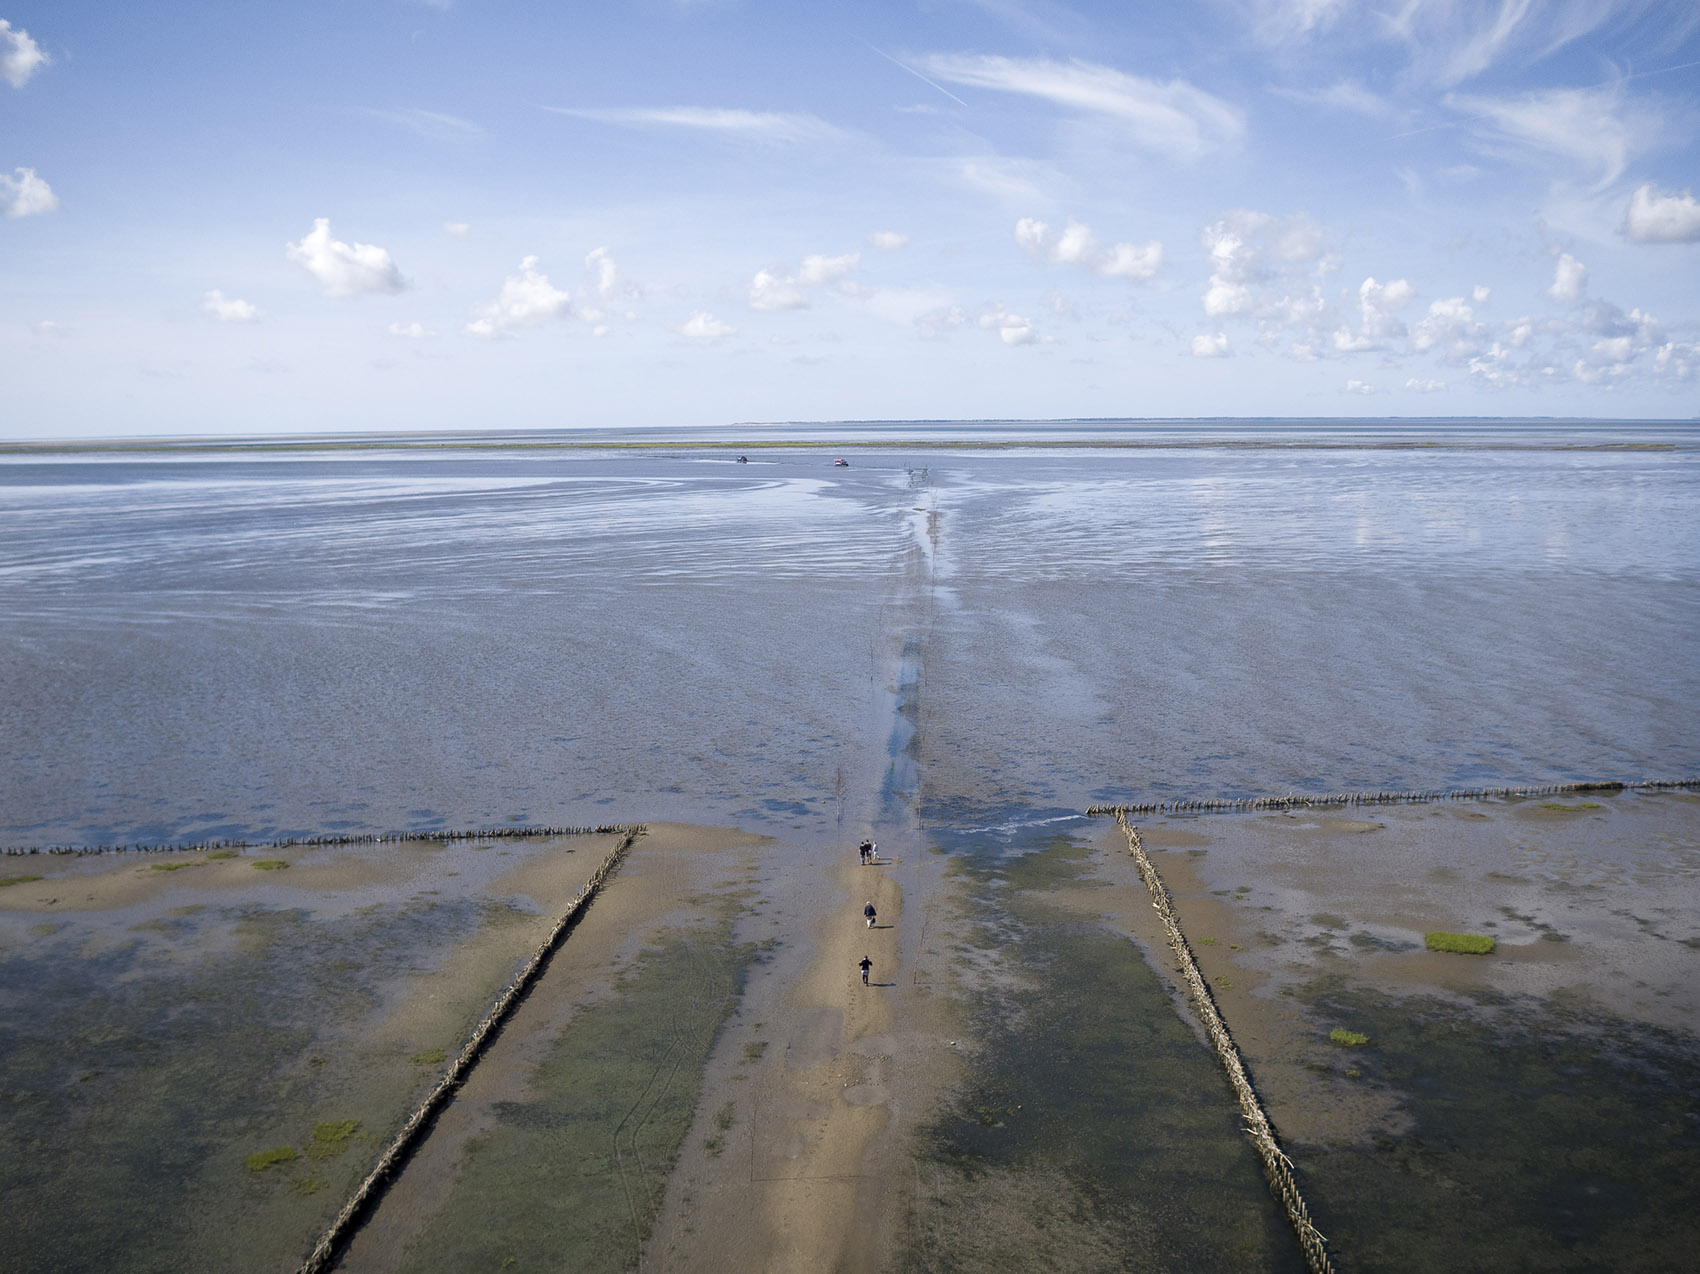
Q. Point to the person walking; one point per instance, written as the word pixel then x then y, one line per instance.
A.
pixel 865 965
pixel 868 912
pixel 867 850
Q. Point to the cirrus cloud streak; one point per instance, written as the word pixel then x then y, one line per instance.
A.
pixel 1166 117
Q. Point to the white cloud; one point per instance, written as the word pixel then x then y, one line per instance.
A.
pixel 888 240
pixel 1454 40
pixel 1569 278
pixel 1424 386
pixel 1359 387
pixel 770 290
pixel 1660 218
pixel 26 195
pixel 526 299
pixel 762 126
pixel 457 229
pixel 823 269
pixel 432 124
pixel 1593 130
pixel 1211 346
pixel 1347 95
pixel 703 326
pixel 1449 319
pixel 600 262
pixel 1480 294
pixel 1077 246
pixel 1678 360
pixel 1015 330
pixel 1494 368
pixel 1593 343
pixel 1285 21
pixel 905 306
pixel 1012 329
pixel 1018 181
pixel 606 278
pixel 1271 270
pixel 227 308
pixel 934 323
pixel 1378 303
pixel 20 56
pixel 343 268
pixel 409 331
pixel 773 290
pixel 1171 118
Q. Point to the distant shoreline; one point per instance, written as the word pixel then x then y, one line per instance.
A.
pixel 365 444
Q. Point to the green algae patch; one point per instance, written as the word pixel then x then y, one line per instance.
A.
pixel 1459 943
pixel 331 1139
pixel 17 880
pixel 1348 1039
pixel 260 1160
pixel 429 1057
pixel 270 864
pixel 225 853
pixel 172 866
pixel 1570 809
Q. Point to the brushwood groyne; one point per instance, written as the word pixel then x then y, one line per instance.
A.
pixel 1303 801
pixel 314 842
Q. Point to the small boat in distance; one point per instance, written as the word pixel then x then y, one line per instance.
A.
pixel 841 463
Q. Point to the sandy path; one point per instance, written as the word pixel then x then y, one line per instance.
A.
pixel 811 1155
pixel 815 1175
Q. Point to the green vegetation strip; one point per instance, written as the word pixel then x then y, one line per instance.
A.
pixel 394 1158
pixel 1460 943
pixel 16 880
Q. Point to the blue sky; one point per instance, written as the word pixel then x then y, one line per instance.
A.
pixel 386 214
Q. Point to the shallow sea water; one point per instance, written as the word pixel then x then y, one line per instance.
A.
pixel 229 644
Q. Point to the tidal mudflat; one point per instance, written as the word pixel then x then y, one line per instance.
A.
pixel 781 657
pixel 1531 1106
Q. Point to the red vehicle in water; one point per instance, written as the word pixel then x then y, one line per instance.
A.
pixel 841 463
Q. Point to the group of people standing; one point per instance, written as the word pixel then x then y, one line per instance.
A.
pixel 870 853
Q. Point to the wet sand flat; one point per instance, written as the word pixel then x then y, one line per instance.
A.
pixel 700 1081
